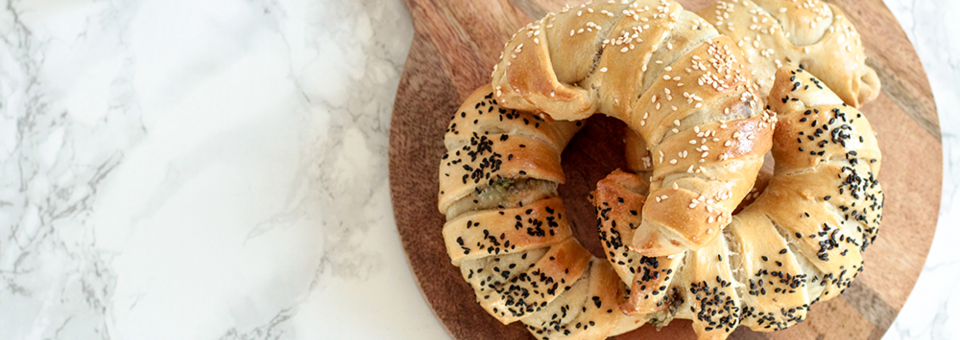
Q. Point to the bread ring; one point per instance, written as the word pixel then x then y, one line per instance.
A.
pixel 506 227
pixel 798 243
pixel 668 75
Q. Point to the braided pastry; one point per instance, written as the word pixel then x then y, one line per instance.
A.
pixel 506 227
pixel 798 243
pixel 776 33
pixel 669 76
pixel 640 162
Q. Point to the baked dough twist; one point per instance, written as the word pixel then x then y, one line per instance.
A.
pixel 777 33
pixel 798 243
pixel 669 76
pixel 507 229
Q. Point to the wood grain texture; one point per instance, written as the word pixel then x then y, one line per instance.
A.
pixel 456 45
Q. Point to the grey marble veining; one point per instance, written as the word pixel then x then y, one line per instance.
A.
pixel 201 170
pixel 218 170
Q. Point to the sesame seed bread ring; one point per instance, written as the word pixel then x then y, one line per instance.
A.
pixel 506 226
pixel 776 33
pixel 798 243
pixel 669 76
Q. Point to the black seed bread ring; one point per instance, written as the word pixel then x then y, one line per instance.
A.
pixel 507 229
pixel 798 243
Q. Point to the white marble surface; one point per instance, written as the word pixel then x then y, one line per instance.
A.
pixel 179 169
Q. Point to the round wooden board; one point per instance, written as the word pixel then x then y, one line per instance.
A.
pixel 458 42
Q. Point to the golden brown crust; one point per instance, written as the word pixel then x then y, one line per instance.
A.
pixel 487 144
pixel 506 228
pixel 773 281
pixel 489 232
pixel 824 200
pixel 699 178
pixel 773 33
pixel 687 92
pixel 776 33
pixel 527 293
pixel 669 76
pixel 797 243
pixel 713 302
pixel 618 199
